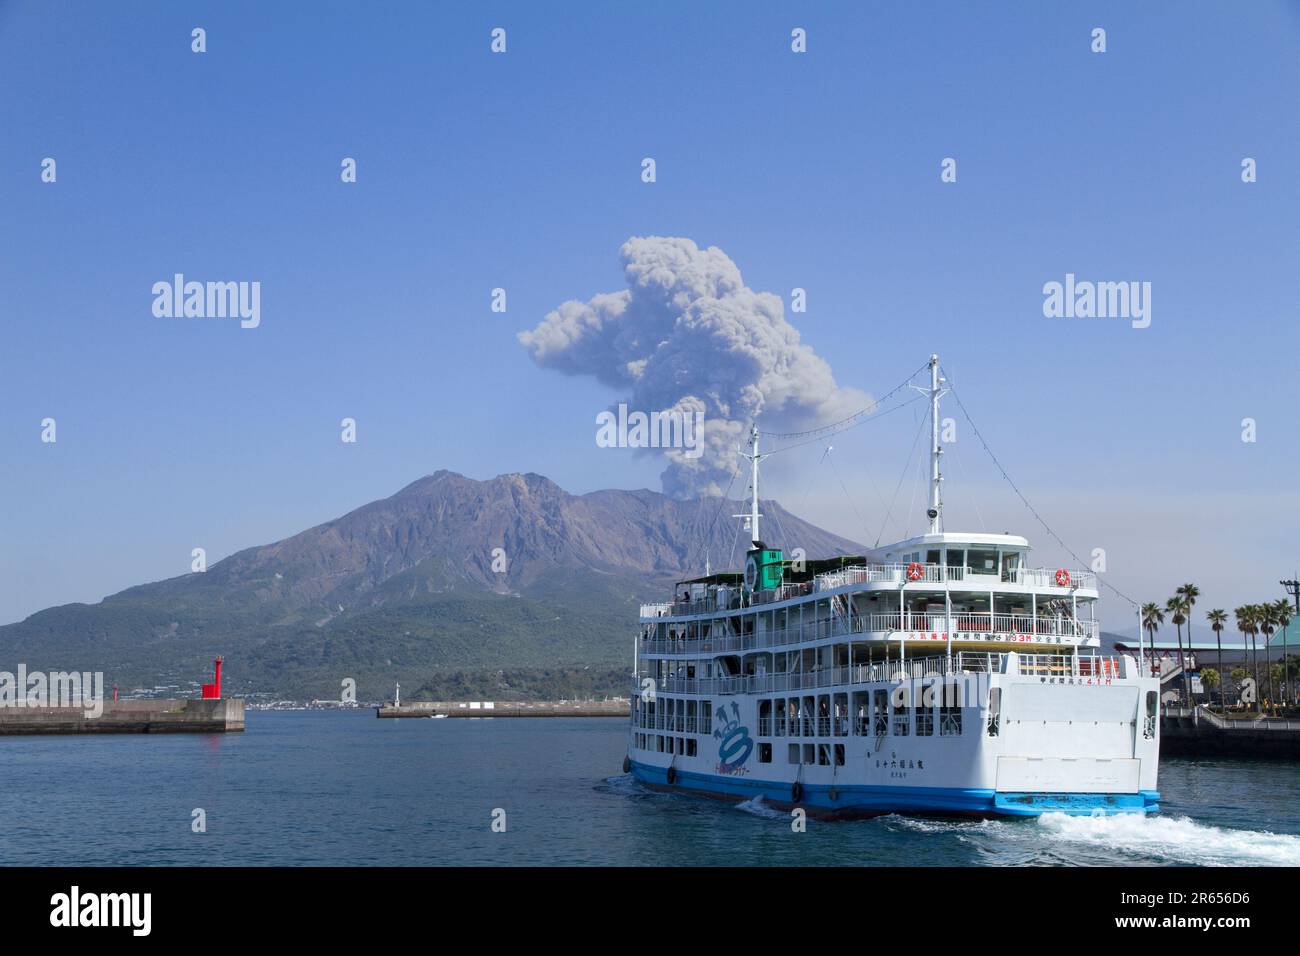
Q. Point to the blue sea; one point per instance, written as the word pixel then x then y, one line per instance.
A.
pixel 347 789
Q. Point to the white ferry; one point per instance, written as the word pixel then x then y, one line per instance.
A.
pixel 938 675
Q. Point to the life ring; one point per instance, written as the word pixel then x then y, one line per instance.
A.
pixel 915 571
pixel 672 775
pixel 1062 577
pixel 796 792
pixel 627 764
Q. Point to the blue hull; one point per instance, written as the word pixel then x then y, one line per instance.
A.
pixel 855 800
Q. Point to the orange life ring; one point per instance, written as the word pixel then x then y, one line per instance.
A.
pixel 915 570
pixel 1062 577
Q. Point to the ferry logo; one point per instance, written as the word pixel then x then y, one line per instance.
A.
pixel 735 745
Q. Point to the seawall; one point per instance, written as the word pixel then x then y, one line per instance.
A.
pixel 1186 732
pixel 129 717
pixel 549 708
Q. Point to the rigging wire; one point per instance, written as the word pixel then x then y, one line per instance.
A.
pixel 708 535
pixel 826 431
pixel 852 504
pixel 1025 501
pixel 974 500
pixel 860 421
pixel 906 468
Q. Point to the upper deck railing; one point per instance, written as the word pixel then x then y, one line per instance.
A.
pixel 1090 668
pixel 1022 627
pixel 1062 579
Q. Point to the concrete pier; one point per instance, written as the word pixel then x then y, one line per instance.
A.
pixel 549 708
pixel 1196 732
pixel 128 717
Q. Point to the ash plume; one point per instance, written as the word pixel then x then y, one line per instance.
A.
pixel 688 334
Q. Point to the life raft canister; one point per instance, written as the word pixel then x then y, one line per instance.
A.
pixel 1062 577
pixel 915 570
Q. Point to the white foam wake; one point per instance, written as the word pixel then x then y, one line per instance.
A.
pixel 759 808
pixel 1176 839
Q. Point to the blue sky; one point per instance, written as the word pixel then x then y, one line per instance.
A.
pixel 522 170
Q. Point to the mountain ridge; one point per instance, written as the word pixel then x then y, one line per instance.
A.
pixel 404 588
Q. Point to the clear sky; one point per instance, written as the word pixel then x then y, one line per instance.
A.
pixel 523 171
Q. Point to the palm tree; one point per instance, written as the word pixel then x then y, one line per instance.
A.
pixel 1218 618
pixel 1267 626
pixel 1152 618
pixel 1175 608
pixel 1282 617
pixel 1189 593
pixel 1246 624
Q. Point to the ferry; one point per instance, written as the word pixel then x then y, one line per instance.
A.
pixel 940 675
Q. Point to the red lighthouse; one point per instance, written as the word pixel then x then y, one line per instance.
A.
pixel 213 691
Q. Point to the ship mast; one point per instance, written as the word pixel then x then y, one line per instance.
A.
pixel 935 391
pixel 754 458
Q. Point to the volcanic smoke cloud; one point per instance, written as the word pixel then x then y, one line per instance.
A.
pixel 687 334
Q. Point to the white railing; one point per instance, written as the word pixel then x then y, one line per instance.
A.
pixel 878 574
pixel 965 662
pixel 964 623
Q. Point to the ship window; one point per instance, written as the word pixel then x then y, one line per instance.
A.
pixel 925 712
pixel 809 753
pixel 792 754
pixel 950 710
pixel 995 710
pixel 880 713
pixel 690 747
pixel 823 755
pixel 839 755
pixel 982 562
pixel 764 753
pixel 902 708
pixel 932 557
pixel 956 557
pixel 861 724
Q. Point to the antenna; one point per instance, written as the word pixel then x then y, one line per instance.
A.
pixel 1293 588
pixel 754 457
pixel 935 391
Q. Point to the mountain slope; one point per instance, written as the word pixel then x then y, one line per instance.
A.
pixel 404 589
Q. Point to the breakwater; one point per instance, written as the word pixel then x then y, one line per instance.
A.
pixel 1196 732
pixel 543 708
pixel 128 717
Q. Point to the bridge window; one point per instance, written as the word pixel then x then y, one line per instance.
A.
pixel 980 561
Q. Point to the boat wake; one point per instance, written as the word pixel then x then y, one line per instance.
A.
pixel 1177 840
pixel 759 808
